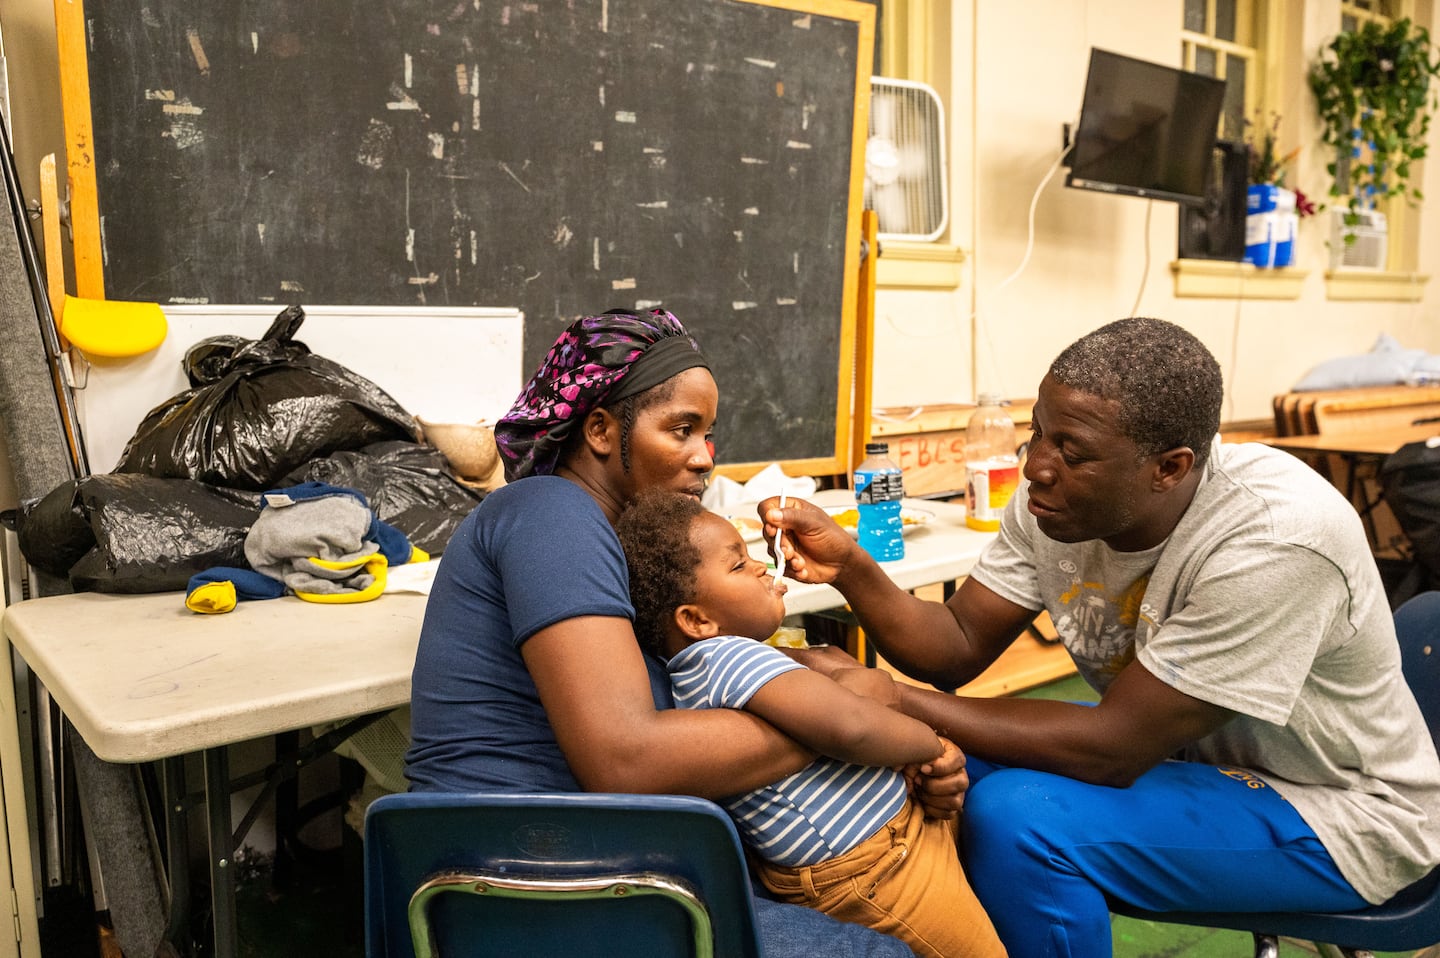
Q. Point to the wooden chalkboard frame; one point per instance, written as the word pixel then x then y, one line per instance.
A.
pixel 73 31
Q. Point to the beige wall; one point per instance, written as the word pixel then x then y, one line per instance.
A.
pixel 28 30
pixel 1018 73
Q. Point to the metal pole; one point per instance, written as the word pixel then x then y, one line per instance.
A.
pixel 79 461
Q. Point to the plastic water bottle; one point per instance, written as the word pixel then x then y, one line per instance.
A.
pixel 992 469
pixel 879 487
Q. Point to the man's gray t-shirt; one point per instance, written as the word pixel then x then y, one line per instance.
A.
pixel 1265 600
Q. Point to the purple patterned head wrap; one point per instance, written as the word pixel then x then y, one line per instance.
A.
pixel 595 361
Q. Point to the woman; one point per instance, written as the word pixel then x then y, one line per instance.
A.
pixel 528 676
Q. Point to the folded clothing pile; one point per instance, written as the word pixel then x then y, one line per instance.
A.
pixel 315 541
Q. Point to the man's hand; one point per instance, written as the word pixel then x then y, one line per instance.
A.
pixel 815 548
pixel 940 785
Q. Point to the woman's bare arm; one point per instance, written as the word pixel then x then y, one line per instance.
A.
pixel 592 681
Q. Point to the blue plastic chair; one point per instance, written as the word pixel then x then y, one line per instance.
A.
pixel 564 875
pixel 1410 920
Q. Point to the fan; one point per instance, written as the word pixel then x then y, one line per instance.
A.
pixel 905 160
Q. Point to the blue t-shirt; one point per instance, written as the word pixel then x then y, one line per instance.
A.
pixel 534 553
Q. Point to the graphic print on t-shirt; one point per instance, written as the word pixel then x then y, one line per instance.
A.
pixel 1098 624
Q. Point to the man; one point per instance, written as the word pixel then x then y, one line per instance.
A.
pixel 1224 602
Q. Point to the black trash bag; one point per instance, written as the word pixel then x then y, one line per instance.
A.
pixel 410 486
pixel 53 532
pixel 132 534
pixel 260 409
pixel 1410 480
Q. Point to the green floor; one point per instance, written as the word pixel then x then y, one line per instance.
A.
pixel 320 914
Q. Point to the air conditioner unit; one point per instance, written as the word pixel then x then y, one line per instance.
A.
pixel 1367 250
pixel 905 169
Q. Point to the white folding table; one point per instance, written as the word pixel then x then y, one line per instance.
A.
pixel 142 679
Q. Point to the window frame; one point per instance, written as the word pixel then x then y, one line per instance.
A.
pixel 1248 28
pixel 1391 10
pixel 915 45
pixel 1401 227
pixel 1264 89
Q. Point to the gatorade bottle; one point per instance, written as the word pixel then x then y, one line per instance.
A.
pixel 879 487
pixel 992 469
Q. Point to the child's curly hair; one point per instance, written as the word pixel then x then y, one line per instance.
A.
pixel 654 531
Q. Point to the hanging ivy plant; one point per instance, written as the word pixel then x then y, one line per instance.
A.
pixel 1374 92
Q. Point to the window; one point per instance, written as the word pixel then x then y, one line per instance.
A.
pixel 1240 42
pixel 1220 39
pixel 1402 227
pixel 1353 16
pixel 1357 12
pixel 912 39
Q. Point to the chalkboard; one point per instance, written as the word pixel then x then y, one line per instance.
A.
pixel 558 156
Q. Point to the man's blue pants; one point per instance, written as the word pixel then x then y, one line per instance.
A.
pixel 1043 852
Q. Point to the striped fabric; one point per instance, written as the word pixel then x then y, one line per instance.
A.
pixel 819 812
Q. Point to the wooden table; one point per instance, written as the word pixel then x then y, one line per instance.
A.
pixel 1374 443
pixel 142 679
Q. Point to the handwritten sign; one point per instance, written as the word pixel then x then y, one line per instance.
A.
pixel 929 446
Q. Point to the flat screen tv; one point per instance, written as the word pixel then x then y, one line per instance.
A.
pixel 1145 129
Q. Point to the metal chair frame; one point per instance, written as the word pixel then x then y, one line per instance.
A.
pixel 619 888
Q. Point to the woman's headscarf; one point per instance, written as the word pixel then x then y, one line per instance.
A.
pixel 597 360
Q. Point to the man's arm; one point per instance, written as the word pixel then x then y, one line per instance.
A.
pixel 592 681
pixel 947 645
pixel 1138 723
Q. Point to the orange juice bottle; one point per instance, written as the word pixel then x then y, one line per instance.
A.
pixel 992 468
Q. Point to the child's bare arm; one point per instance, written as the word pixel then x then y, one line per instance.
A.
pixel 821 714
pixel 841 666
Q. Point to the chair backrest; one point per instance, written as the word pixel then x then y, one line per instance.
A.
pixel 1417 627
pixel 573 875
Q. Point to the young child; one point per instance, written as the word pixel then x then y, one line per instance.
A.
pixel 841 835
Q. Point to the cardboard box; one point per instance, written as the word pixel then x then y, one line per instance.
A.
pixel 928 443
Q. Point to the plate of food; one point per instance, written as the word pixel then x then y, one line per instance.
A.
pixel 748 526
pixel 848 518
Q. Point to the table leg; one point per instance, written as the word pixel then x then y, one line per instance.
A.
pixel 222 867
pixel 287 806
pixel 177 850
pixel 1359 497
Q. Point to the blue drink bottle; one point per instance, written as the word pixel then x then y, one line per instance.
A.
pixel 879 487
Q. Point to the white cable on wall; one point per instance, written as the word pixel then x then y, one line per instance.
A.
pixel 1144 272
pixel 983 331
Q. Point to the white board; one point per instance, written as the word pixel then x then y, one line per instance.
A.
pixel 443 364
